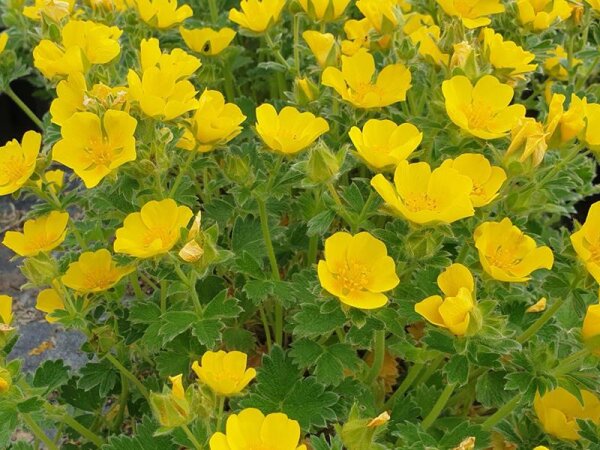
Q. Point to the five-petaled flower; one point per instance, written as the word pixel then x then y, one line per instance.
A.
pixel 39 235
pixel 225 373
pixel 357 270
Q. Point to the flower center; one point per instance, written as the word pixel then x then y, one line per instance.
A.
pixel 154 234
pixel 420 201
pixel 101 153
pixel 503 259
pixel 98 280
pixel 14 168
pixel 478 114
pixel 353 277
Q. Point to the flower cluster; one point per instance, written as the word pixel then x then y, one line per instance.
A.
pixel 319 224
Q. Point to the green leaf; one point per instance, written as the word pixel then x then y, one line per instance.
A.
pixel 32 404
pixel 222 307
pixel 457 369
pixel 490 389
pixel 51 375
pixel 8 423
pixel 247 236
pixel 100 374
pixel 318 225
pixel 310 321
pixel 174 323
pixel 280 387
pixel 208 331
pixel 144 439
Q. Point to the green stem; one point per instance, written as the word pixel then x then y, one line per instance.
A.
pixel 501 413
pixel 78 237
pixel 313 247
pixel 570 362
pixel 276 52
pixel 540 322
pixel 135 284
pixel 21 104
pixel 182 171
pixel 123 399
pixel 38 432
pixel 341 209
pixel 431 368
pixel 438 407
pixel 410 378
pixel 82 430
pixel 221 407
pixel 297 43
pixel 378 356
pixel 131 377
pixel 191 437
pixel 214 11
pixel 190 282
pixel 164 283
pixel 264 225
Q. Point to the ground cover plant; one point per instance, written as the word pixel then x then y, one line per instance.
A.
pixel 311 224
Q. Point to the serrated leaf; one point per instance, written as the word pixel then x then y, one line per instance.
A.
pixel 208 331
pixel 457 370
pixel 280 387
pixel 174 323
pixel 101 374
pixel 51 374
pixel 310 321
pixel 144 439
pixel 222 307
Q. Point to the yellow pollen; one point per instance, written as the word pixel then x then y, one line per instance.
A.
pixel 478 114
pixel 503 259
pixel 14 168
pixel 98 279
pixel 101 153
pixel 420 201
pixel 353 277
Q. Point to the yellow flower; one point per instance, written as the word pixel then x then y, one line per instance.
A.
pixel 54 179
pixel 305 90
pixel 555 64
pixel 507 254
pixel 250 430
pixel 257 15
pixel 357 32
pixel 454 310
pixel 152 231
pixel 324 10
pixel 506 54
pixel 81 40
pixel 321 45
pixel 55 10
pixel 540 14
pixel 354 81
pixel 177 386
pixel 51 61
pixel 49 301
pixel 482 110
pixel 39 235
pixel 462 52
pixel 3 41
pixel 224 372
pixel 5 380
pixel 529 138
pixel 357 270
pixel 425 34
pixel 192 251
pixel 558 411
pixel 487 179
pixel 541 447
pixel 591 325
pixel 473 13
pixel 290 131
pixel 561 125
pixel 162 14
pixel 381 14
pixel 586 241
pixel 423 196
pixel 94 272
pixel 6 315
pixel 382 143
pixel 206 40
pixel 94 148
pixel 595 4
pixel 163 90
pixel 17 161
pixel 213 124
pixel 109 5
pixel 591 135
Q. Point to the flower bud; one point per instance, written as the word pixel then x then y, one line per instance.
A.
pixel 237 169
pixel 305 91
pixel 171 408
pixel 5 381
pixel 323 164
pixel 359 433
pixel 40 270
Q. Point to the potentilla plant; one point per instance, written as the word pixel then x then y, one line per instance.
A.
pixel 312 224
